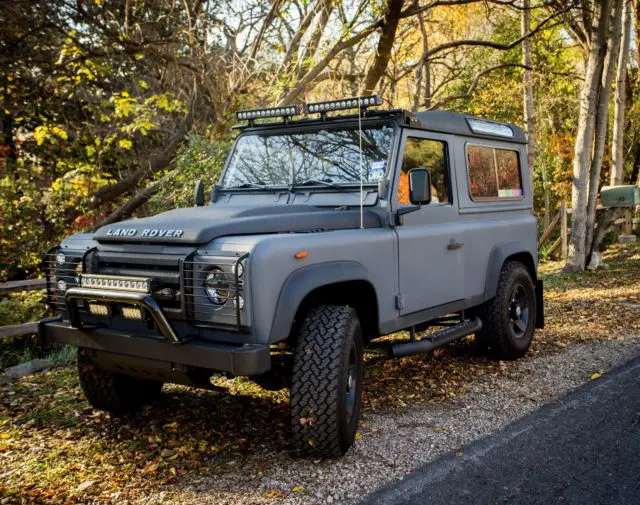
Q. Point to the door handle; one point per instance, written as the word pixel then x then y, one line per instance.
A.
pixel 453 245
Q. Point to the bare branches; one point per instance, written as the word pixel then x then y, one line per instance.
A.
pixel 474 84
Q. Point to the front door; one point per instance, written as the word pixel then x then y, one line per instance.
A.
pixel 430 240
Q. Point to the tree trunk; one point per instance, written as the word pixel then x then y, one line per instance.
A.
pixel 602 123
pixel 8 140
pixel 385 45
pixel 617 151
pixel 423 72
pixel 529 107
pixel 584 136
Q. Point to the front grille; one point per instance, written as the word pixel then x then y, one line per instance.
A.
pixel 164 269
pixel 234 309
pixel 57 273
pixel 178 282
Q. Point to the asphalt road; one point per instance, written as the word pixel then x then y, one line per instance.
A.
pixel 582 450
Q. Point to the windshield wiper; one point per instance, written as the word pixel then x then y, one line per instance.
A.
pixel 247 185
pixel 323 182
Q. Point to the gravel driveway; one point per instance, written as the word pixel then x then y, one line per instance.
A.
pixel 394 444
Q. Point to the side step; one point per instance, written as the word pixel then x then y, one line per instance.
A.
pixel 437 339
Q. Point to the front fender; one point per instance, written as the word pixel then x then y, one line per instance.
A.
pixel 302 282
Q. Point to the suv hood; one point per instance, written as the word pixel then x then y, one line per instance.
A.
pixel 200 225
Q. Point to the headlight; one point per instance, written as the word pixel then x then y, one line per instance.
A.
pixel 240 268
pixel 60 259
pixel 217 286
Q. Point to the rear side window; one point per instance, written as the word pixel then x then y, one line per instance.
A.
pixel 494 174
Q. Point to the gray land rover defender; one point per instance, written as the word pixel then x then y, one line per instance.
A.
pixel 324 233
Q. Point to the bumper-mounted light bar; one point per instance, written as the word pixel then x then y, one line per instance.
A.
pixel 135 284
pixel 271 112
pixel 358 102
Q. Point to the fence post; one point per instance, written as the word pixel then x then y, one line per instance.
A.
pixel 563 230
pixel 628 222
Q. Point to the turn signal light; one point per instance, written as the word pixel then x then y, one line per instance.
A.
pixel 300 255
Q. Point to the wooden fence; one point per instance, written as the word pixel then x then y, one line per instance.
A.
pixel 626 224
pixel 16 330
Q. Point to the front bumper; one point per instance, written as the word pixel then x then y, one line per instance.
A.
pixel 250 359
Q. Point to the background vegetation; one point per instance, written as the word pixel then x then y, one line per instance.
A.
pixel 112 108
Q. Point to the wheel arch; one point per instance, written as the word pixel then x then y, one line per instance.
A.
pixel 502 253
pixel 333 283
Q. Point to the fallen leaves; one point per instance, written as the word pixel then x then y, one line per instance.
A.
pixel 52 443
pixel 596 375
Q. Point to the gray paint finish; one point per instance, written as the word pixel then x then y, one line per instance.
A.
pixel 412 263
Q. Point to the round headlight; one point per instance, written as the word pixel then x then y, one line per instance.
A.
pixel 62 286
pixel 239 302
pixel 217 286
pixel 240 268
pixel 60 259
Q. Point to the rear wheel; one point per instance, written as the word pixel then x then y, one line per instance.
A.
pixel 327 381
pixel 509 319
pixel 114 392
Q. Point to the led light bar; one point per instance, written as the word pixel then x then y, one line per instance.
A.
pixel 343 104
pixel 250 114
pixel 137 284
pixel 490 128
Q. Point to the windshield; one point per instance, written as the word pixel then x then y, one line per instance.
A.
pixel 329 156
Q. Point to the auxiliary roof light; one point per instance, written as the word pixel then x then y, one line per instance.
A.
pixel 343 104
pixel 251 114
pixel 490 128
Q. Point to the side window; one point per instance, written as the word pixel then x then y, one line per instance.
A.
pixel 425 153
pixel 494 174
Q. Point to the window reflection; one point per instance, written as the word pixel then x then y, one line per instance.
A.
pixel 325 155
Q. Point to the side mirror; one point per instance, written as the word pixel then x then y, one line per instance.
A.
pixel 199 193
pixel 420 186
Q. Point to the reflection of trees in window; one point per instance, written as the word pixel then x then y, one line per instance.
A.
pixel 325 154
pixel 493 173
pixel 424 153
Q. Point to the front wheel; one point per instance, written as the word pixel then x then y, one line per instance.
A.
pixel 509 319
pixel 114 392
pixel 327 381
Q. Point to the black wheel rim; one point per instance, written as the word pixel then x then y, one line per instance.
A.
pixel 519 310
pixel 351 390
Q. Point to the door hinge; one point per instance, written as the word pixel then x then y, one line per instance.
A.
pixel 401 303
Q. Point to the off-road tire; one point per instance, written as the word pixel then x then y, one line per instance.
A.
pixel 114 392
pixel 324 409
pixel 500 335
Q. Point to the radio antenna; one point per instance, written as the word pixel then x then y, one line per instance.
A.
pixel 360 154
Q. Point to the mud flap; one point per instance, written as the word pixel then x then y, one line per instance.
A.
pixel 539 304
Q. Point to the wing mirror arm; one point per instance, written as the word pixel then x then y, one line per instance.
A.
pixel 403 211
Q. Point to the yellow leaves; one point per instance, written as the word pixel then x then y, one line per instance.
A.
pixel 143 84
pixel 98 2
pixel 274 493
pixel 5 436
pixel 43 132
pixel 40 134
pixel 596 375
pixel 358 436
pixel 60 132
pixel 125 144
pixel 296 489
